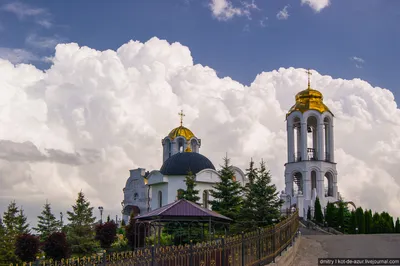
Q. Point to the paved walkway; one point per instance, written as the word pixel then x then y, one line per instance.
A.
pixel 313 247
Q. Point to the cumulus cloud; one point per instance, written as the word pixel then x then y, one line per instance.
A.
pixel 17 56
pixel 316 5
pixel 224 9
pixel 24 11
pixel 283 14
pixel 93 115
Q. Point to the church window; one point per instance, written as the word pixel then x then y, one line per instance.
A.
pixel 194 145
pixel 135 196
pixel 181 145
pixel 159 199
pixel 205 198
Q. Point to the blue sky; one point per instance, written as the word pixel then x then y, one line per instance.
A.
pixel 241 46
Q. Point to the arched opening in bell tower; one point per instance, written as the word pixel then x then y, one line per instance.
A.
pixel 327 138
pixel 297 139
pixel 181 145
pixel 328 184
pixel 312 142
pixel 297 183
pixel 193 144
pixel 168 148
pixel 313 180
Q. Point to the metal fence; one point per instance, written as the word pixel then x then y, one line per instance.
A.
pixel 259 247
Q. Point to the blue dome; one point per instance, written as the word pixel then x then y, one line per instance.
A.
pixel 181 163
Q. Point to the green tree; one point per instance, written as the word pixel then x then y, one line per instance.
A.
pixel 47 223
pixel 10 223
pixel 341 216
pixel 22 226
pixel 80 231
pixel 249 205
pixel 353 223
pixel 3 244
pixel 190 194
pixel 376 224
pixel 397 226
pixel 331 213
pixel 318 215
pixel 227 193
pixel 309 213
pixel 360 220
pixel 368 221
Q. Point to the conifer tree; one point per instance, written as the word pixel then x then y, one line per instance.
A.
pixel 318 215
pixel 267 203
pixel 190 194
pixel 309 218
pixel 47 223
pixel 353 223
pixel 249 204
pixel 330 214
pixel 341 216
pixel 22 226
pixel 3 244
pixel 360 220
pixel 80 232
pixel 397 226
pixel 368 221
pixel 10 221
pixel 376 224
pixel 227 193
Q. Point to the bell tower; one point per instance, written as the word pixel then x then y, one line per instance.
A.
pixel 180 139
pixel 310 170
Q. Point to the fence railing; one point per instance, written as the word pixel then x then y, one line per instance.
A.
pixel 259 247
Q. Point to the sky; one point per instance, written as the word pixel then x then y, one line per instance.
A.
pixel 89 89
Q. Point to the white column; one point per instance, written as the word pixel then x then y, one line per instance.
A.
pixel 331 143
pixel 304 141
pixel 298 148
pixel 306 184
pixel 320 149
pixel 320 185
pixel 290 143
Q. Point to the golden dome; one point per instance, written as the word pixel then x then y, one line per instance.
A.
pixel 181 132
pixel 309 99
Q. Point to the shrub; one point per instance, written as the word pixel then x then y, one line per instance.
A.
pixel 56 246
pixel 26 247
pixel 106 233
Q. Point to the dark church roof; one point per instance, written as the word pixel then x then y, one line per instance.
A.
pixel 181 163
pixel 183 210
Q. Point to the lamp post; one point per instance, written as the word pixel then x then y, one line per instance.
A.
pixel 101 214
pixel 356 230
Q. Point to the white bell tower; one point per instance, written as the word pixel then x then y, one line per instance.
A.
pixel 310 170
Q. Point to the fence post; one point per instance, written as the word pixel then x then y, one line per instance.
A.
pixel 223 251
pixel 191 253
pixel 152 255
pixel 104 258
pixel 259 243
pixel 273 243
pixel 243 249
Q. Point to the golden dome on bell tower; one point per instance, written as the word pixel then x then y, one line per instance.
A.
pixel 309 99
pixel 181 131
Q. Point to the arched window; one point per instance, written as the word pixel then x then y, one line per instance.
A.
pixel 193 143
pixel 159 199
pixel 205 198
pixel 181 145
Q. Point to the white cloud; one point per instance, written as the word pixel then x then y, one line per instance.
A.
pixel 283 14
pixel 263 22
pixel 316 5
pixel 23 11
pixel 224 9
pixel 93 115
pixel 358 61
pixel 17 56
pixel 43 42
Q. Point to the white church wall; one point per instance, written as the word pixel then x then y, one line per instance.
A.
pixel 174 184
pixel 208 176
pixel 158 190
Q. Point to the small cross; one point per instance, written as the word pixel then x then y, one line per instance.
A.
pixel 309 76
pixel 181 115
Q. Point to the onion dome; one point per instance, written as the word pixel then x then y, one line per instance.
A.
pixel 182 163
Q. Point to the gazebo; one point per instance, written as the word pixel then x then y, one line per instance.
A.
pixel 178 215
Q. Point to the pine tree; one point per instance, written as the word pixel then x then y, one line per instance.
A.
pixel 22 225
pixel 80 232
pixel 360 220
pixel 249 205
pixel 10 222
pixel 309 213
pixel 227 193
pixel 47 223
pixel 3 244
pixel 318 215
pixel 341 216
pixel 368 221
pixel 330 217
pixel 397 227
pixel 190 194
pixel 266 199
pixel 376 224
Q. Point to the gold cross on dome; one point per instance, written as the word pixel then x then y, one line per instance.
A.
pixel 181 114
pixel 309 77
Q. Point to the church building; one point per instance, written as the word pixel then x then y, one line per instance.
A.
pixel 310 171
pixel 148 190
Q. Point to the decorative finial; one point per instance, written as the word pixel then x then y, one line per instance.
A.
pixel 182 115
pixel 309 78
